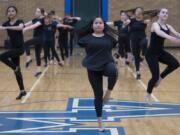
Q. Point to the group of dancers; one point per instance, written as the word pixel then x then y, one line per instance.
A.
pixel 98 39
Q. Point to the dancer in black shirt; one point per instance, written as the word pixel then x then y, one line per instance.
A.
pixel 37 25
pixel 98 41
pixel 156 53
pixel 138 38
pixel 11 57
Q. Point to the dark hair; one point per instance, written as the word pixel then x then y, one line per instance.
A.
pixel 138 8
pixel 88 29
pixel 15 8
pixel 42 10
pixel 52 12
pixel 122 11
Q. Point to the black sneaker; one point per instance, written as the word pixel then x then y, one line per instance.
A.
pixel 22 94
pixel 116 55
pixel 127 63
pixel 45 65
pixel 138 77
pixel 38 74
pixel 28 63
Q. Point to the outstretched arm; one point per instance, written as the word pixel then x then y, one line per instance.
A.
pixel 18 28
pixel 158 31
pixel 173 31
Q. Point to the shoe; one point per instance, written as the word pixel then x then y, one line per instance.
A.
pixel 38 74
pixel 60 64
pixel 107 97
pixel 116 55
pixel 28 63
pixel 138 76
pixel 101 129
pixel 148 99
pixel 22 94
pixel 126 63
pixel 45 65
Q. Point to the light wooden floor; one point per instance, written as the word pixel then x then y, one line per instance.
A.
pixel 58 84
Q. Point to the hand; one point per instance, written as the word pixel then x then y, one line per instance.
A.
pixel 2 28
pixel 70 27
pixel 175 40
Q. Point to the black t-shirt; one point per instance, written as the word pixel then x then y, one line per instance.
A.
pixel 39 30
pixel 123 30
pixel 137 28
pixel 49 31
pixel 16 37
pixel 98 51
pixel 63 33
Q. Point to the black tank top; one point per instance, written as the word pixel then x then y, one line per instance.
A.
pixel 157 42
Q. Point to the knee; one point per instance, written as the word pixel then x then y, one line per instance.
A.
pixel 112 70
pixel 176 65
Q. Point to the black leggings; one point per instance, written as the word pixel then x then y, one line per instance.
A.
pixel 47 46
pixel 37 42
pixel 124 46
pixel 71 42
pixel 153 62
pixel 96 81
pixel 12 59
pixel 63 46
pixel 138 45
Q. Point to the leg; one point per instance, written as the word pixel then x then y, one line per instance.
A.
pixel 95 79
pixel 6 57
pixel 18 74
pixel 61 48
pixel 38 48
pixel 111 72
pixel 46 50
pixel 154 69
pixel 121 47
pixel 170 61
pixel 136 52
pixel 65 45
pixel 71 42
pixel 27 45
pixel 143 45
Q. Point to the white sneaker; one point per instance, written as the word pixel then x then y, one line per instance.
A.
pixel 100 125
pixel 148 99
pixel 101 129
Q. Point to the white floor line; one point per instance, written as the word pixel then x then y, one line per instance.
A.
pixel 142 83
pixel 34 85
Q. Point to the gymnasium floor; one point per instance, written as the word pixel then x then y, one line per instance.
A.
pixel 60 102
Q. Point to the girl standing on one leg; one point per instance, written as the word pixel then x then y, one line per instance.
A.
pixel 37 40
pixel 98 42
pixel 123 39
pixel 138 38
pixel 156 53
pixel 11 58
pixel 49 39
